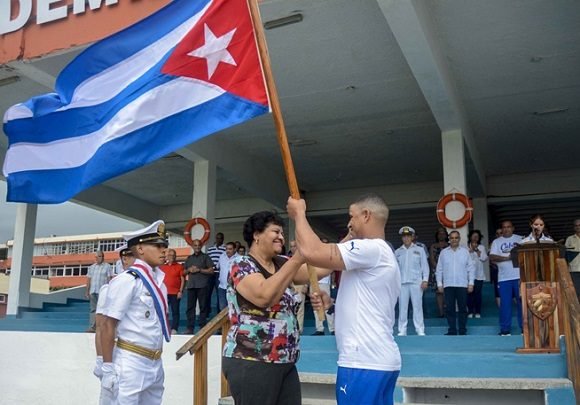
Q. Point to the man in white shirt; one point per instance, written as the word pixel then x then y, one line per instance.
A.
pixel 455 273
pixel 508 277
pixel 414 277
pixel 225 264
pixel 368 357
pixel 135 323
pixel 98 275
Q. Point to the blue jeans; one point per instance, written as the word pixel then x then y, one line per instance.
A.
pixel 173 302
pixel 222 299
pixel 507 291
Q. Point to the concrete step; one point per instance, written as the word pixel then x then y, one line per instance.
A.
pixel 305 401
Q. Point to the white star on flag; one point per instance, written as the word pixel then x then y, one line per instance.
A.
pixel 215 50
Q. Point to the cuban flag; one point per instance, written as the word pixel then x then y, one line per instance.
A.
pixel 185 72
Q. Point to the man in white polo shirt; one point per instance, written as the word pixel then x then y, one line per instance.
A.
pixel 368 357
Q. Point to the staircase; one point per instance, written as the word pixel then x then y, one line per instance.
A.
pixel 480 368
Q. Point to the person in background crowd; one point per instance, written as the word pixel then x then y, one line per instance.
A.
pixel 241 250
pixel 414 269
pixel 369 360
pixel 455 273
pixel 199 269
pixel 225 265
pixel 300 289
pixel 537 234
pixel 215 253
pixel 175 282
pixel 420 244
pixel 479 256
pixel 99 274
pixel 573 255
pixel 493 271
pixel 324 285
pixel 135 323
pixel 441 242
pixel 508 276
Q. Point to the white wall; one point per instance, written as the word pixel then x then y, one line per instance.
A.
pixel 56 368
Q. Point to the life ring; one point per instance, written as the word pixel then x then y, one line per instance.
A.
pixel 464 220
pixel 193 222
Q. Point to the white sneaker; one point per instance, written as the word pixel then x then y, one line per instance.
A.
pixel 402 333
pixel 420 333
pixel 477 315
pixel 173 332
pixel 470 316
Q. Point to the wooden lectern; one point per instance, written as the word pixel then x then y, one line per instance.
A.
pixel 541 300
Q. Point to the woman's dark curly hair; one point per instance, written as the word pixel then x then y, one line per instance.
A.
pixel 258 222
pixel 475 231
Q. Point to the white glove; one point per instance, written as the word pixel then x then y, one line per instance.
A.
pixel 98 365
pixel 109 381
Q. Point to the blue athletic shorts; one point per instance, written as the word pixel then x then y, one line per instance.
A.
pixel 356 386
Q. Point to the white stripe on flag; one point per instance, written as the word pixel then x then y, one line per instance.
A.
pixel 110 82
pixel 179 95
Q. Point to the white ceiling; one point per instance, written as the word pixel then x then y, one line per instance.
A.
pixel 349 80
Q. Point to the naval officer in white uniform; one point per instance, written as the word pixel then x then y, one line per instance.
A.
pixel 135 323
pixel 414 269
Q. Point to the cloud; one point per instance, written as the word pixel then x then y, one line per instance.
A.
pixel 62 220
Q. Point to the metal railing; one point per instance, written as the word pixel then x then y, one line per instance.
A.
pixel 198 346
pixel 571 315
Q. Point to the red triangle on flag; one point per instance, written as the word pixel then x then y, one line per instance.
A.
pixel 221 49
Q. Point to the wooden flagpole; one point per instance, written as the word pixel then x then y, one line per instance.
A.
pixel 279 123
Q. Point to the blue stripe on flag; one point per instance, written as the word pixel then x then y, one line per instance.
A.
pixel 46 127
pixel 146 145
pixel 133 39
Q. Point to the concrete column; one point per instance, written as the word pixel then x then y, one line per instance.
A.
pixel 454 174
pixel 204 194
pixel 20 272
pixel 480 221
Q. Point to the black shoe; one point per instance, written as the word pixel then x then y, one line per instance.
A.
pixel 462 333
pixel 332 333
pixel 450 334
pixel 318 333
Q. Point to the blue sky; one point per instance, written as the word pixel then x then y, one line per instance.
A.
pixel 61 219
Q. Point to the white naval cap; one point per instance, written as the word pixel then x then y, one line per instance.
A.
pixel 406 230
pixel 153 234
pixel 124 250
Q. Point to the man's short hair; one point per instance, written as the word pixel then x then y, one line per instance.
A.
pixel 232 244
pixel 375 204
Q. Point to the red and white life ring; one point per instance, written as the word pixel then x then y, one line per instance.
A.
pixel 193 222
pixel 464 220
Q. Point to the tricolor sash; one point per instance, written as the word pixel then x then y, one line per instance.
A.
pixel 159 299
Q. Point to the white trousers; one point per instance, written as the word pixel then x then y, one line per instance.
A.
pixel 415 294
pixel 140 379
pixel 329 318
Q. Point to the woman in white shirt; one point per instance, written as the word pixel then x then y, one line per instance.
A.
pixel 537 235
pixel 478 254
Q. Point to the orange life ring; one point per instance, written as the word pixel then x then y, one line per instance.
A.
pixel 464 220
pixel 193 222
